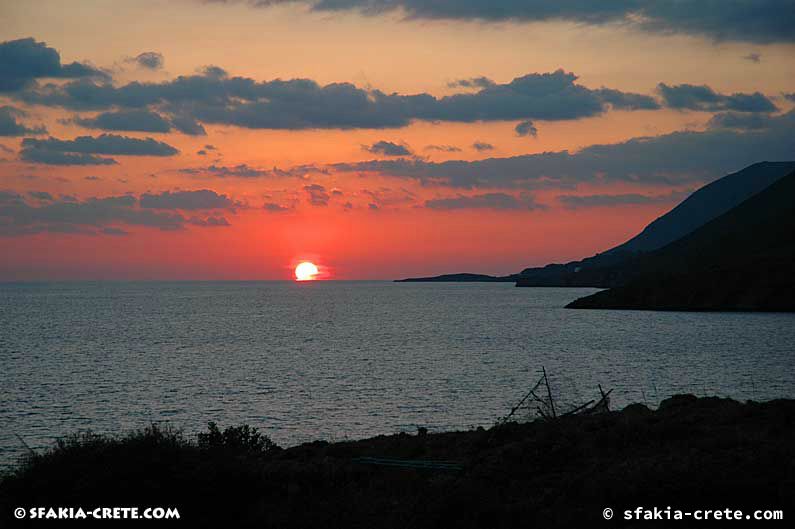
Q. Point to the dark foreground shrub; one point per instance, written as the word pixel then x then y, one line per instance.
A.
pixel 236 439
pixel 156 466
pixel 705 453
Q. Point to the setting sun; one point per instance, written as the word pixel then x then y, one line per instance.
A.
pixel 305 271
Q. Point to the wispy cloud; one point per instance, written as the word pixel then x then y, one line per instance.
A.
pixel 317 195
pixel 704 98
pixel 495 201
pixel 22 61
pixel 11 126
pixel 674 158
pixel 97 216
pixel 83 149
pixel 620 199
pixel 762 21
pixel 387 148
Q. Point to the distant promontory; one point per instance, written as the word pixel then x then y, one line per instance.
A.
pixel 462 278
pixel 729 246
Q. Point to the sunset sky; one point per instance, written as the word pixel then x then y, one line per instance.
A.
pixel 196 139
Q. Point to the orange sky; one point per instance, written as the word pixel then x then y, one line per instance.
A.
pixel 373 224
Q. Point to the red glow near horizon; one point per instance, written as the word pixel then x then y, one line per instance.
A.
pixel 251 197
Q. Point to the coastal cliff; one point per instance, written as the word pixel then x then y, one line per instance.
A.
pixel 617 266
pixel 742 261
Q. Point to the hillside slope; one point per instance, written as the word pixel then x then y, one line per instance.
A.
pixel 742 260
pixel 703 205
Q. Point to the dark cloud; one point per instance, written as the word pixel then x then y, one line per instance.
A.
pixel 9 197
pixel 684 156
pixel 387 148
pixel 215 98
pixel 317 194
pixel 275 208
pixel 140 120
pixel 187 200
pixel 9 126
pixel 246 171
pixel 546 96
pixel 704 98
pixel 187 124
pixel 499 201
pixel 126 120
pixel 373 207
pixel 762 21
pixel 82 150
pixel 625 199
pixel 48 157
pixel 790 97
pixel 209 222
pixel 753 57
pixel 627 101
pixel 474 82
pixel 481 146
pixel 92 178
pixel 526 128
pixel 387 197
pixel 238 171
pixel 150 59
pixel 303 104
pixel 104 215
pixel 23 61
pixel 20 218
pixel 442 148
pixel 738 120
pixel 40 195
pixel 215 72
pixel 103 144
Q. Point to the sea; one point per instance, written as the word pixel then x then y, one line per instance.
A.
pixel 337 360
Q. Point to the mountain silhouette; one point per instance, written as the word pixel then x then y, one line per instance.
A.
pixel 702 206
pixel 705 204
pixel 603 270
pixel 741 260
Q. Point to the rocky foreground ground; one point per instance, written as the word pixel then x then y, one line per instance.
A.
pixel 691 453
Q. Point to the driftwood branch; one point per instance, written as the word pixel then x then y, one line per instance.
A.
pixel 30 450
pixel 545 406
pixel 529 393
pixel 549 393
pixel 578 408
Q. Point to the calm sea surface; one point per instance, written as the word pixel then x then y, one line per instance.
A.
pixel 336 360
